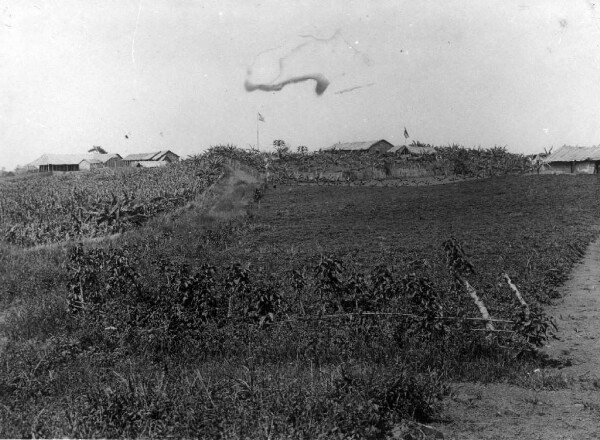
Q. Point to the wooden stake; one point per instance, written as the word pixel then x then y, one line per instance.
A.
pixel 518 295
pixel 479 303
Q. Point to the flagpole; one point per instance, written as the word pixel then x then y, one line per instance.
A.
pixel 259 119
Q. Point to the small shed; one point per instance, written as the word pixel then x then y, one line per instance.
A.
pixel 90 164
pixel 574 160
pixel 165 156
pixel 101 161
pixel 380 146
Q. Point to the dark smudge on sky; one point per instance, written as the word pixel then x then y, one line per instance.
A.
pixel 321 60
pixel 322 84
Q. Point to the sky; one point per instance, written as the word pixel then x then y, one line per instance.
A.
pixel 147 75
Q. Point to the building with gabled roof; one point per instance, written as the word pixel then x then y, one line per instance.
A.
pixel 380 146
pixel 162 157
pixel 577 160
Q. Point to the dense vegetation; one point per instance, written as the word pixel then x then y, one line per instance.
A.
pixel 314 311
pixel 45 209
pixel 352 167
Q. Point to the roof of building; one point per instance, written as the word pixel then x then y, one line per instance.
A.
pixel 574 154
pixel 412 149
pixel 355 146
pixel 396 148
pixel 71 159
pixel 148 156
pixel 420 150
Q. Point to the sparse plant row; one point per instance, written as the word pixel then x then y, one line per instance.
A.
pixel 125 307
pixel 180 304
pixel 57 208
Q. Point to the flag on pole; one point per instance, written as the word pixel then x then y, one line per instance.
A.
pixel 406 136
pixel 260 117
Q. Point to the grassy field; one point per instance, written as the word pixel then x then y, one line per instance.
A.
pixel 252 317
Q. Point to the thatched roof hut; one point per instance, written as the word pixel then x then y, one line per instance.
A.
pixel 578 160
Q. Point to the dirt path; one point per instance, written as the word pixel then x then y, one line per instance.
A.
pixel 500 411
pixel 230 196
pixel 578 319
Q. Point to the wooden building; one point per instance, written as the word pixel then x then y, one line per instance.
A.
pixel 159 158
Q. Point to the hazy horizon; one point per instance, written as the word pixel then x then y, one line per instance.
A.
pixel 145 75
